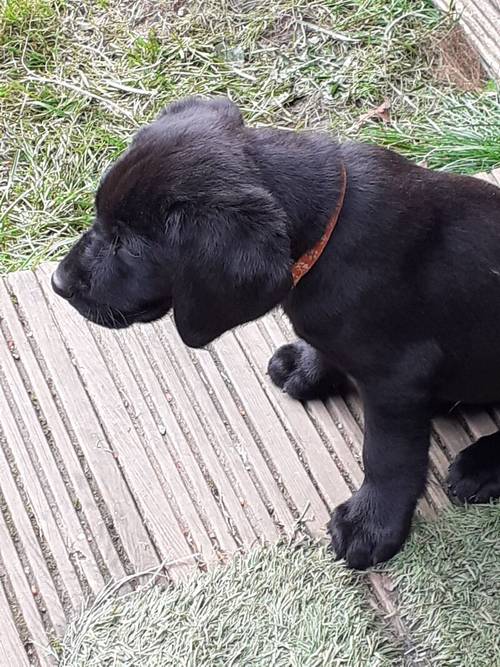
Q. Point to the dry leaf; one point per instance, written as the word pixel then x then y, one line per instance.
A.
pixel 382 112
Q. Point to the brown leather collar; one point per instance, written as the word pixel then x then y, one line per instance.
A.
pixel 310 257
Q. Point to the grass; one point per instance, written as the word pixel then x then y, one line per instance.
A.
pixel 295 607
pixel 280 607
pixel 78 78
pixel 461 140
pixel 448 587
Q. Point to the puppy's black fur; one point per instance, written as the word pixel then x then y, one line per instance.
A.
pixel 206 215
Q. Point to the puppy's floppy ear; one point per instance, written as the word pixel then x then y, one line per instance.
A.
pixel 232 265
pixel 227 109
pixel 221 107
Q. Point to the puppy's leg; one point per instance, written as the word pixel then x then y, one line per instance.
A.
pixel 303 372
pixel 474 475
pixel 372 526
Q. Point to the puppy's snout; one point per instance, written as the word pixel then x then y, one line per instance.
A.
pixel 60 285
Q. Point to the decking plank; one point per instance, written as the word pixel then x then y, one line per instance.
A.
pixel 12 653
pixel 266 423
pixel 219 485
pixel 330 416
pixel 50 500
pixel 486 177
pixel 111 487
pixel 255 458
pixel 61 442
pixel 161 438
pixel 292 415
pixel 480 20
pixel 483 19
pixel 478 421
pixel 25 593
pixel 187 364
pixel 29 521
pixel 124 444
pixel 451 434
pixel 37 502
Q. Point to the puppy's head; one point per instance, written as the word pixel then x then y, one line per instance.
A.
pixel 183 220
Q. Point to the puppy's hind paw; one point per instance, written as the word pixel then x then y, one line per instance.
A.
pixel 474 476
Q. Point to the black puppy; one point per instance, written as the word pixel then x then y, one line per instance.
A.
pixel 208 216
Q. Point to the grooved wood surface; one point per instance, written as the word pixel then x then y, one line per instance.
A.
pixel 125 451
pixel 480 20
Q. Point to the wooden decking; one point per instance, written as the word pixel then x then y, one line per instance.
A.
pixel 480 20
pixel 125 451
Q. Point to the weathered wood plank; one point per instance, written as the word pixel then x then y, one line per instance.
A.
pixel 478 421
pixel 25 593
pixel 162 436
pixel 200 443
pixel 111 487
pixel 328 416
pixel 126 447
pixel 295 419
pixel 281 450
pixel 36 501
pixel 255 459
pixel 67 459
pixel 50 499
pixel 188 365
pixel 451 434
pixel 12 653
pixel 486 177
pixel 480 20
pixel 28 520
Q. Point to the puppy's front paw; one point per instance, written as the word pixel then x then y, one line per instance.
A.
pixel 283 364
pixel 298 370
pixel 364 531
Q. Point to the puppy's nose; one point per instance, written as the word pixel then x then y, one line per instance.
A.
pixel 59 286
